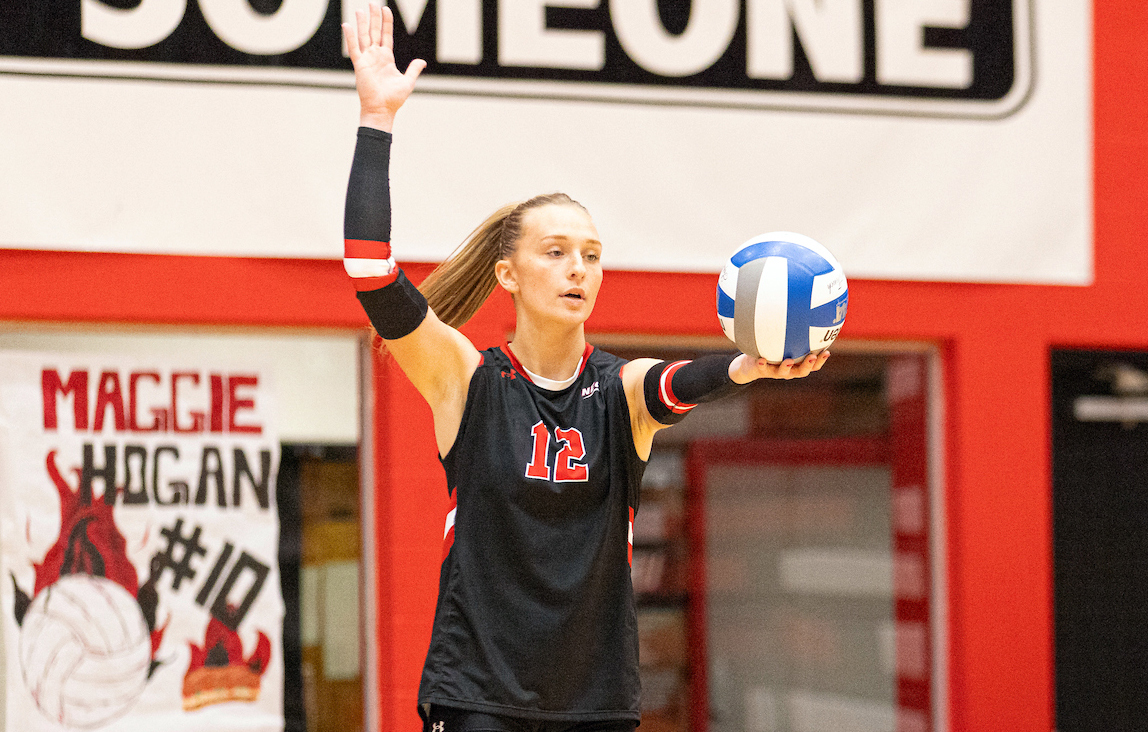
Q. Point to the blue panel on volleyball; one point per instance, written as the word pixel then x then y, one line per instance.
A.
pixel 725 304
pixel 800 293
pixel 829 314
pixel 802 255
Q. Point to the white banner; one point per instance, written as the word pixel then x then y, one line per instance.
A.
pixel 944 140
pixel 139 545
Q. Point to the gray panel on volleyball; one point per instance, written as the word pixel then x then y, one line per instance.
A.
pixel 744 332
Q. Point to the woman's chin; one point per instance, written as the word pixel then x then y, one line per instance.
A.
pixel 572 317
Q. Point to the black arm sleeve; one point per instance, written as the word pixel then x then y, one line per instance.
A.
pixel 396 309
pixel 367 213
pixel 392 303
pixel 673 389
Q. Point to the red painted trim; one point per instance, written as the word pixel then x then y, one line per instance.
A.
pixel 697 645
pixel 385 588
pixel 909 474
pixel 796 452
pixel 90 287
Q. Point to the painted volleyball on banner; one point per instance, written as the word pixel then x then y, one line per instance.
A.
pixel 782 295
pixel 85 651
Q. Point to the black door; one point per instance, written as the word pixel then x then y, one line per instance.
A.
pixel 1100 539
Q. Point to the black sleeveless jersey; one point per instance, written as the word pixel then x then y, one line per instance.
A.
pixel 535 615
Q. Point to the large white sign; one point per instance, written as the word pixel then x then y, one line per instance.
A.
pixel 139 545
pixel 945 140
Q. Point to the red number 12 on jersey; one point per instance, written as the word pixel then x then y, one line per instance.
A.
pixel 567 468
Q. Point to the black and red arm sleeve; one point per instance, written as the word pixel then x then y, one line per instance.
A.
pixel 392 303
pixel 673 389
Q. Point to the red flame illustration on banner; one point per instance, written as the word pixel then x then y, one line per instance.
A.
pixel 90 543
pixel 219 673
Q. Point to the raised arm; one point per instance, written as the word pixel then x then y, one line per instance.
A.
pixel 437 358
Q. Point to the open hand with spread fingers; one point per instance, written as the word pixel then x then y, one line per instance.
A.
pixel 382 87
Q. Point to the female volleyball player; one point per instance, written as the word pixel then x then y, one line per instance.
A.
pixel 543 440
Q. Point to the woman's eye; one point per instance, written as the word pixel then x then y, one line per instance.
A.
pixel 554 253
pixel 593 257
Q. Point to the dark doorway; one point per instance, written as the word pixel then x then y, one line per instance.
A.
pixel 319 547
pixel 1100 538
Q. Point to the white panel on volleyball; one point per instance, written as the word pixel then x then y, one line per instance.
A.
pixel 827 287
pixel 772 310
pixel 822 338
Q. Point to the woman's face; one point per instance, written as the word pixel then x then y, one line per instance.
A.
pixel 556 269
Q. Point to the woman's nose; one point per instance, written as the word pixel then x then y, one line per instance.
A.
pixel 578 267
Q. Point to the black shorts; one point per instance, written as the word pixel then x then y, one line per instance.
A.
pixel 448 719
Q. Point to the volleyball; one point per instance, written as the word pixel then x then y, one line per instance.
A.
pixel 782 295
pixel 85 651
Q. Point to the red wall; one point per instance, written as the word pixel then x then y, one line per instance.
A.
pixel 995 341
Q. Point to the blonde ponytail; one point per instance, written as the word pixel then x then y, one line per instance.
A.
pixel 458 287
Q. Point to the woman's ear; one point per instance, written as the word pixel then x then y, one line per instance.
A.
pixel 507 277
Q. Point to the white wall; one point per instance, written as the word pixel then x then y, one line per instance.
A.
pixel 677 178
